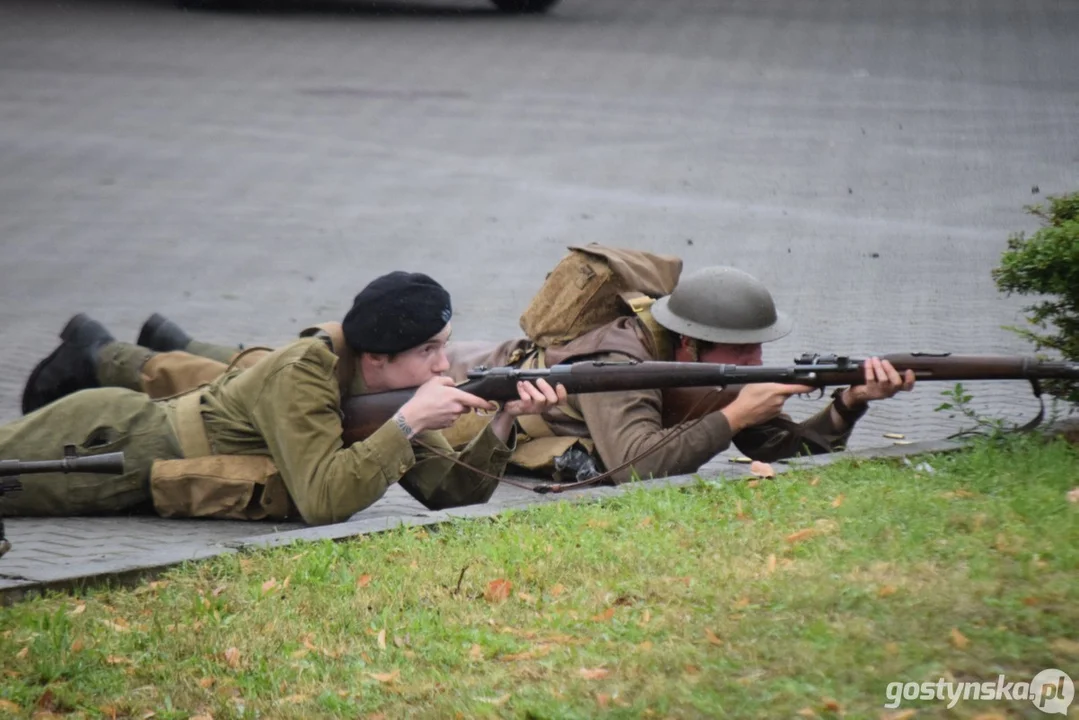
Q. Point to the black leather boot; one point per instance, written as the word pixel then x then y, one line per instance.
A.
pixel 163 335
pixel 70 367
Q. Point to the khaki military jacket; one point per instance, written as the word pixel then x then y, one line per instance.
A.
pixel 287 408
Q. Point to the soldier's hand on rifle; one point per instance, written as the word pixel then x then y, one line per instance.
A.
pixel 882 381
pixel 759 402
pixel 535 399
pixel 438 403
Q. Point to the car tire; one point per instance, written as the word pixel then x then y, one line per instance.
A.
pixel 525 7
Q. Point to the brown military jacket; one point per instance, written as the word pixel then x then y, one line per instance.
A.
pixel 288 406
pixel 624 424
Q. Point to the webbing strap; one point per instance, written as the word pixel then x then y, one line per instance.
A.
pixel 190 430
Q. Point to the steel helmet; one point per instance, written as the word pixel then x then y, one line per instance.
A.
pixel 722 305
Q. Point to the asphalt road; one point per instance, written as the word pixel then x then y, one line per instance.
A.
pixel 247 171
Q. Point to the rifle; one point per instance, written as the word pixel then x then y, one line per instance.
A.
pixel 10 470
pixel 363 414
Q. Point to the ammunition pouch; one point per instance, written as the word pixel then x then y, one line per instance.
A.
pixel 201 484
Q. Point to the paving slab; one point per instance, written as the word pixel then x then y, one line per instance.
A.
pixel 245 172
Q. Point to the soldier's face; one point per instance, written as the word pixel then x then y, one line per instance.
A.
pixel 418 365
pixel 729 354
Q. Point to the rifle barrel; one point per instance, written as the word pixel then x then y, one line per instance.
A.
pixel 363 414
pixel 107 464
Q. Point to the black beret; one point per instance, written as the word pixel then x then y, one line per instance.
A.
pixel 396 312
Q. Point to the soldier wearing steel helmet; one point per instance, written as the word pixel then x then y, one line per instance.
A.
pixel 717 315
pixel 725 315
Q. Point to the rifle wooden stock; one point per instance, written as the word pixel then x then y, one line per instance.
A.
pixel 684 384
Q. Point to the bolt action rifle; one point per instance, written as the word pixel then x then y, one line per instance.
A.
pixel 10 470
pixel 363 414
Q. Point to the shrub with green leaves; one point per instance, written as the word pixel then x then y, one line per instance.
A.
pixel 1047 264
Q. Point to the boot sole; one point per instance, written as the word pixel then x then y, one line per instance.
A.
pixel 73 325
pixel 32 381
pixel 149 329
pixel 73 331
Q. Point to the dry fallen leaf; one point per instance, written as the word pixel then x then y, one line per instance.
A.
pixel 10 707
pixel 898 715
pixel 498 590
pixel 232 657
pixel 762 469
pixel 605 615
pixel 645 522
pixel 831 705
pixel 525 597
pixel 363 581
pixel 645 646
pixel 712 637
pixel 741 602
pixel 500 700
pixel 218 590
pixel 799 536
pixel 772 563
pixel 958 639
pixel 206 682
pixel 23 653
pixel 557 589
pixel 886 590
pixel 78 645
pixel 382 639
pixel 594 673
pixel 476 653
pixel 78 609
pixel 116 660
pixel 807 713
pixel 46 702
pixel 1065 646
pixel 838 500
pixel 739 512
pixel 386 677
pixel 269 585
pixel 603 700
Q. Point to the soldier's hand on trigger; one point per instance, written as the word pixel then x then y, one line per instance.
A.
pixel 759 402
pixel 535 399
pixel 438 403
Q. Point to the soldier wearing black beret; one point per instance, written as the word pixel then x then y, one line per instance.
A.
pixel 263 438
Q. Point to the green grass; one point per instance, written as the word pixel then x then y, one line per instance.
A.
pixel 801 596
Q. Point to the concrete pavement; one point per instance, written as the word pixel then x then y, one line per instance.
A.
pixel 245 172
